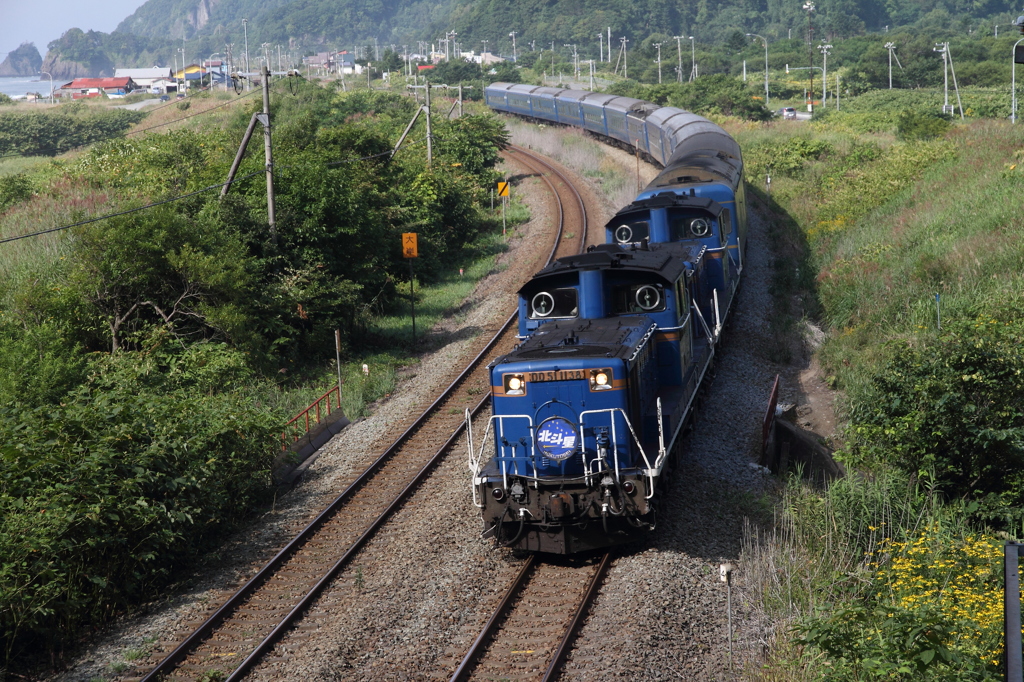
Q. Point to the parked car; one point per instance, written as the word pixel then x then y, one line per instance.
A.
pixel 165 98
pixel 786 112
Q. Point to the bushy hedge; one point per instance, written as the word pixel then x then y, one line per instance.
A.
pixel 52 132
pixel 103 496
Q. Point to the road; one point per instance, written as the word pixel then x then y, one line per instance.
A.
pixel 139 105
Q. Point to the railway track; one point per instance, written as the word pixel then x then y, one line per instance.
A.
pixel 531 631
pixel 245 628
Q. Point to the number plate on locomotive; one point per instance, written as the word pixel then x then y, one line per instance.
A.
pixel 560 375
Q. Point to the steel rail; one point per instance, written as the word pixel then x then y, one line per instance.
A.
pixel 479 644
pixel 577 620
pixel 203 632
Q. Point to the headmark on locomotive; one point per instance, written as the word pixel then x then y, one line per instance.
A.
pixel 588 409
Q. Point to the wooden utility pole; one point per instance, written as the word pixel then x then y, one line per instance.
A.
pixel 269 154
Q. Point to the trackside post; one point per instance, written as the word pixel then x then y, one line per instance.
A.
pixel 1011 611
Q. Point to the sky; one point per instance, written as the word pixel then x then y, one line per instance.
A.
pixel 41 21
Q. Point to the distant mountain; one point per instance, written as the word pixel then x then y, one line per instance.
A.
pixel 25 61
pixel 79 54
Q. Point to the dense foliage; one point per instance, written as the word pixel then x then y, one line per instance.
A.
pixel 48 133
pixel 135 352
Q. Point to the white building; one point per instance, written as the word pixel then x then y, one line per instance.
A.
pixel 145 78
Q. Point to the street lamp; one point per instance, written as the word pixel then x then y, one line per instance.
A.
pixel 693 60
pixel 824 72
pixel 679 53
pixel 210 59
pixel 754 35
pixel 51 84
pixel 1013 86
pixel 809 6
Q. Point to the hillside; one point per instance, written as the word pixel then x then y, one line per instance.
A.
pixel 343 23
pixel 24 61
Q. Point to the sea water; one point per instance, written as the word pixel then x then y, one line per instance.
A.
pixel 17 86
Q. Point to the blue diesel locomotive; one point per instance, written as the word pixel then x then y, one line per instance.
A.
pixel 588 411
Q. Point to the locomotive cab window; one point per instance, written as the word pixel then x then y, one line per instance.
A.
pixel 630 299
pixel 726 221
pixel 691 226
pixel 629 233
pixel 554 303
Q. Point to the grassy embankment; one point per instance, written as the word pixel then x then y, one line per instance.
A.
pixel 894 572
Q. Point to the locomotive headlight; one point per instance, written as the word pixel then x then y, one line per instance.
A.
pixel 600 379
pixel 700 227
pixel 515 384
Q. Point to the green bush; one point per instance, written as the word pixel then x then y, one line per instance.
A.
pixel 103 497
pixel 916 125
pixel 952 410
pixel 13 189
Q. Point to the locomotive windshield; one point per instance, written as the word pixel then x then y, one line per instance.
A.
pixel 556 303
pixel 630 299
pixel 628 233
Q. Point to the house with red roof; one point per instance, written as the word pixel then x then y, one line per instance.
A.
pixel 81 88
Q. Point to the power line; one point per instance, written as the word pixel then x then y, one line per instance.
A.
pixel 159 125
pixel 130 210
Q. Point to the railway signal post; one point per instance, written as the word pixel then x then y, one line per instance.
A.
pixel 410 250
pixel 503 193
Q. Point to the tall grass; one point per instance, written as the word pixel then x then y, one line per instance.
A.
pixel 586 156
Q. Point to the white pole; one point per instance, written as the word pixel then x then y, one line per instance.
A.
pixel 1013 86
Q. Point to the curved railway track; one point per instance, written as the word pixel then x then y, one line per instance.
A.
pixel 246 627
pixel 531 631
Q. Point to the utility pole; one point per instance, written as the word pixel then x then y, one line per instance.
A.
pixel 679 53
pixel 591 62
pixel 245 28
pixel 575 61
pixel 268 154
pixel 600 44
pixel 942 49
pixel 809 6
pixel 513 35
pixel 625 61
pixel 824 72
pixel 609 44
pixel 889 46
pixel 658 45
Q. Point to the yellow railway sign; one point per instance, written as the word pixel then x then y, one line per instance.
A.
pixel 410 248
pixel 502 189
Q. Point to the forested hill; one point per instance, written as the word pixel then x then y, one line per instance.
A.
pixel 306 23
pixel 344 23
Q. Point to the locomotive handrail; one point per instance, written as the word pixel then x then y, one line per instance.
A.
pixel 483 443
pixel 651 472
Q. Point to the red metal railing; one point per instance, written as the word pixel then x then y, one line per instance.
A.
pixel 326 401
pixel 769 415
